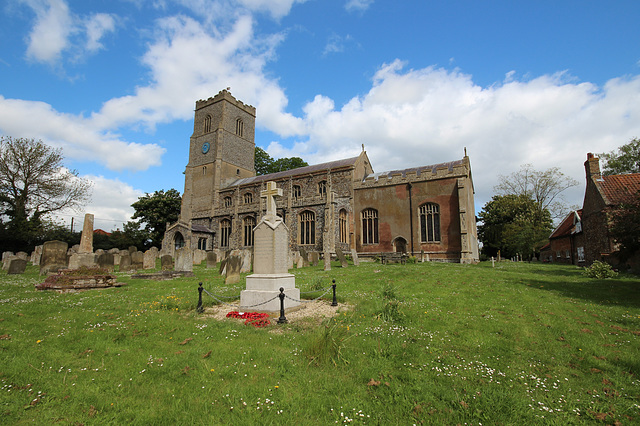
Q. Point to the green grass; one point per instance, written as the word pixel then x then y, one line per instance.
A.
pixel 424 343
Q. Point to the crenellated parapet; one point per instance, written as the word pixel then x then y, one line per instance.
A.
pixel 226 95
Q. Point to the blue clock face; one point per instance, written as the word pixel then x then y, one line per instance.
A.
pixel 205 147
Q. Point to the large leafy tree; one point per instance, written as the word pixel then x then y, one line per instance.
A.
pixel 264 164
pixel 33 184
pixel 625 160
pixel 513 224
pixel 543 187
pixel 155 210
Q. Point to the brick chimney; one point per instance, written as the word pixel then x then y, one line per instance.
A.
pixel 592 166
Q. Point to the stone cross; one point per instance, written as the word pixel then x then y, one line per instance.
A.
pixel 270 193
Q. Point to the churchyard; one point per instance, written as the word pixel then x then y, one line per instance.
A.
pixel 422 343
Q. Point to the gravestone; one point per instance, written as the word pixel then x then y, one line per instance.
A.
pixel 78 260
pixel 137 260
pixel 106 261
pixel 246 261
pixel 6 254
pixel 22 255
pixel 17 266
pixel 354 256
pixel 86 238
pixel 234 264
pixel 341 258
pixel 7 260
pixel 132 249
pixel 270 261
pixel 212 259
pixel 125 262
pixel 54 257
pixel 166 262
pixel 184 260
pixel 36 255
pixel 327 260
pixel 149 259
pixel 223 266
pixel 198 256
pixel 314 258
pixel 305 257
pixel 300 262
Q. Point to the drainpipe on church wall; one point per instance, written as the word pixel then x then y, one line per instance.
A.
pixel 410 217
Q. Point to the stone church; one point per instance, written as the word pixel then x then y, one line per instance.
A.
pixel 341 203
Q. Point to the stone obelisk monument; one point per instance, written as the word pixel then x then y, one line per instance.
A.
pixel 270 261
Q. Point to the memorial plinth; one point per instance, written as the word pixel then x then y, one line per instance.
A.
pixel 270 262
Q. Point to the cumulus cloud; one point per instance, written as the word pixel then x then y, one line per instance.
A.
pixel 50 33
pixel 96 27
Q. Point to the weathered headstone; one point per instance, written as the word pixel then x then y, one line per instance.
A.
pixel 149 259
pixel 78 260
pixel 7 260
pixel 22 255
pixel 212 259
pixel 223 266
pixel 198 256
pixel 234 263
pixel 341 257
pixel 17 266
pixel 246 261
pixel 354 256
pixel 137 260
pixel 166 262
pixel 6 254
pixel 305 257
pixel 184 259
pixel 314 258
pixel 125 262
pixel 106 261
pixel 270 261
pixel 36 255
pixel 132 249
pixel 86 238
pixel 54 256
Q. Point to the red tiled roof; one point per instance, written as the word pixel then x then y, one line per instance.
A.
pixel 617 189
pixel 101 232
pixel 566 227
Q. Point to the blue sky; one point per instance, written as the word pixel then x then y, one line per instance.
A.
pixel 114 83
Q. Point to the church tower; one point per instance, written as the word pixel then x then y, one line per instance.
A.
pixel 222 149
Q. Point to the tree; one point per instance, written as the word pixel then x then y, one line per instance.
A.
pixel 155 211
pixel 131 235
pixel 625 160
pixel 513 224
pixel 264 164
pixel 543 187
pixel 33 184
pixel 625 228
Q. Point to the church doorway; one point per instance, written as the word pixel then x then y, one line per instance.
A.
pixel 178 240
pixel 400 245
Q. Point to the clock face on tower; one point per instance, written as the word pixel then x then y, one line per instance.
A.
pixel 205 147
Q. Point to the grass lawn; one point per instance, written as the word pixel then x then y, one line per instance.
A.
pixel 423 344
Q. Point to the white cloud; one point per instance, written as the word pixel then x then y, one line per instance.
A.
pixel 96 27
pixel 50 33
pixel 358 5
pixel 336 43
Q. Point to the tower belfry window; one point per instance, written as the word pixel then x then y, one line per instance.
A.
pixel 239 127
pixel 207 124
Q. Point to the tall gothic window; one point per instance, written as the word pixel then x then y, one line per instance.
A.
pixel 207 124
pixel 239 127
pixel 307 227
pixel 296 192
pixel 249 224
pixel 225 232
pixel 370 226
pixel 430 223
pixel 227 201
pixel 344 226
pixel 248 198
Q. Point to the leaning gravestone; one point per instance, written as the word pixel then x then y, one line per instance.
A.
pixel 234 264
pixel 17 266
pixel 223 266
pixel 212 259
pixel 166 262
pixel 341 258
pixel 7 260
pixel 354 255
pixel 270 261
pixel 184 260
pixel 54 257
pixel 36 255
pixel 305 257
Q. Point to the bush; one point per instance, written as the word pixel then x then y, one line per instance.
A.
pixel 600 270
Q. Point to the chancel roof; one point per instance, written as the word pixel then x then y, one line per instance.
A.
pixel 417 170
pixel 347 162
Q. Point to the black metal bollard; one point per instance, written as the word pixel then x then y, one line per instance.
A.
pixel 282 319
pixel 335 301
pixel 200 309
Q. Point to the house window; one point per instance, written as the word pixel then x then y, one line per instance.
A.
pixel 558 255
pixel 343 225
pixel 227 201
pixel 322 187
pixel 430 223
pixel 307 228
pixel 296 192
pixel 567 254
pixel 248 198
pixel 239 127
pixel 580 254
pixel 225 232
pixel 202 243
pixel 249 224
pixel 207 124
pixel 370 226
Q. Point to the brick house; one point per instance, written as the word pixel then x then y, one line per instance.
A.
pixel 566 242
pixel 340 203
pixel 602 197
